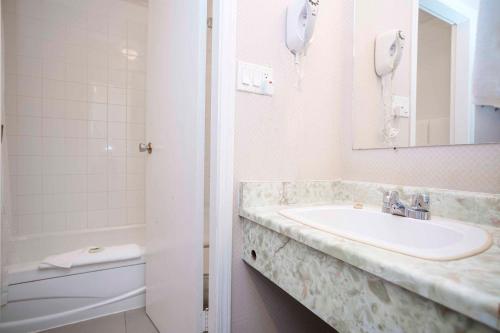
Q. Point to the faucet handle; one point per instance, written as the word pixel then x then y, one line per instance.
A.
pixel 420 202
pixel 386 197
pixel 393 196
pixel 389 198
pixel 386 206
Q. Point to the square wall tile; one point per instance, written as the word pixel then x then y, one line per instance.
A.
pixel 76 128
pixel 136 98
pixel 26 165
pixel 76 220
pixel 135 215
pixel 136 165
pixel 97 219
pixel 54 108
pixel 76 110
pixel 28 204
pixel 96 165
pixel 28 86
pixel 31 126
pixel 117 96
pixel 117 78
pixel 117 130
pixel 136 115
pixel 54 70
pixel 29 224
pixel 53 127
pixel 97 183
pixel 54 222
pixel 97 75
pixel 117 113
pixel 29 66
pixel 97 147
pixel 117 147
pixel 27 106
pixel 97 129
pixel 53 184
pixel 27 145
pixel 75 91
pixel 97 201
pixel 135 182
pixel 117 165
pixel 97 94
pixel 53 146
pixel 75 54
pixel 117 199
pixel 135 132
pixel 29 184
pixel 53 89
pixel 54 203
pixel 117 182
pixel 97 111
pixel 75 147
pixel 117 217
pixel 75 73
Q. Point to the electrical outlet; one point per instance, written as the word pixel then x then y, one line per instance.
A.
pixel 401 106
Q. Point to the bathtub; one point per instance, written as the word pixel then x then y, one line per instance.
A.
pixel 43 299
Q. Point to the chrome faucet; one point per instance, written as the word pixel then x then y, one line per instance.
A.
pixel 419 207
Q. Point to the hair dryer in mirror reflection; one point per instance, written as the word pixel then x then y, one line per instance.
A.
pixel 389 48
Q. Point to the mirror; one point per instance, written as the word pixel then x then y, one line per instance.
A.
pixel 426 72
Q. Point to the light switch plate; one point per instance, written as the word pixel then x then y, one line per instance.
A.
pixel 401 106
pixel 255 79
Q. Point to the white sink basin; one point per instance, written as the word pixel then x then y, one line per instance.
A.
pixel 436 239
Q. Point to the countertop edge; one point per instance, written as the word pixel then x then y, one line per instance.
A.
pixel 345 250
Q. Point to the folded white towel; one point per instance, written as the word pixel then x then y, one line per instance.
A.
pixel 92 255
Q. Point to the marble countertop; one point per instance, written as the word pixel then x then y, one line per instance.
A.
pixel 470 286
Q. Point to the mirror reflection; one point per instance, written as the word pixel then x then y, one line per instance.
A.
pixel 428 76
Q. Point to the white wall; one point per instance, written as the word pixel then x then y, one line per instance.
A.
pixel 75 115
pixel 307 135
pixel 292 135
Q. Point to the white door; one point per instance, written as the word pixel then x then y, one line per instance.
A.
pixel 174 172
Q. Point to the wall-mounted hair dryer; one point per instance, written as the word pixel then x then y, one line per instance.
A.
pixel 300 19
pixel 389 48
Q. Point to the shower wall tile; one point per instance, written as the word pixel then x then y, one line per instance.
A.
pixel 75 103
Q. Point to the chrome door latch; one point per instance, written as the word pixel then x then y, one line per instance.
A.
pixel 146 147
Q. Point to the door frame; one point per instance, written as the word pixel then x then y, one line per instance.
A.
pixel 463 21
pixel 221 163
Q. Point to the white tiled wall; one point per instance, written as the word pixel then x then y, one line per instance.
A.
pixel 75 102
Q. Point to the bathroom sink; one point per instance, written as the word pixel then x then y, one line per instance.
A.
pixel 435 239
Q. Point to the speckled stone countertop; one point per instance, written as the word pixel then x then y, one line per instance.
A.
pixel 470 286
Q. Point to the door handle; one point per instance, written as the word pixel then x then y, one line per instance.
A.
pixel 146 147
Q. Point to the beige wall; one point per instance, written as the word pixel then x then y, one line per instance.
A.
pixel 433 68
pixel 307 135
pixel 292 135
pixel 433 81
